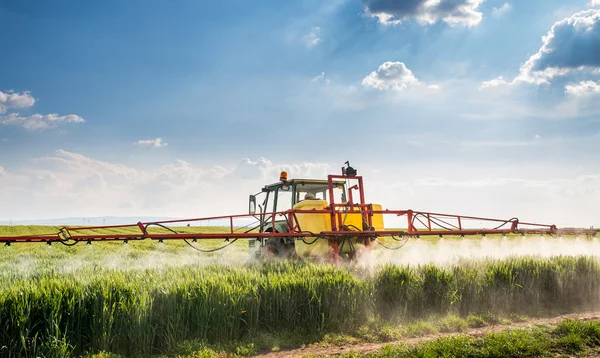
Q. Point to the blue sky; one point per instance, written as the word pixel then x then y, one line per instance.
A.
pixel 395 86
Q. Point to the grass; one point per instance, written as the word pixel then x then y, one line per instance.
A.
pixel 28 259
pixel 568 338
pixel 146 299
pixel 152 311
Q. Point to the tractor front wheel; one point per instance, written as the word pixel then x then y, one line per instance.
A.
pixel 272 249
pixel 276 249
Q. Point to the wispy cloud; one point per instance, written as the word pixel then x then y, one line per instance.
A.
pixel 40 122
pixel 312 38
pixel 499 11
pixel 156 143
pixel 321 78
pixel 500 81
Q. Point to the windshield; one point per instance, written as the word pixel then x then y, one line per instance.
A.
pixel 320 191
pixel 284 198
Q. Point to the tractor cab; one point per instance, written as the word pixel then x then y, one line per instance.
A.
pixel 282 196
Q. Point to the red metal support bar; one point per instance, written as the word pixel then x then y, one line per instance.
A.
pixel 332 201
pixel 429 221
pixel 362 191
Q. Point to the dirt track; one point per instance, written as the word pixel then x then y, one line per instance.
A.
pixel 374 347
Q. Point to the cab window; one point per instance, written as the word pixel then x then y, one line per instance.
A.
pixel 284 198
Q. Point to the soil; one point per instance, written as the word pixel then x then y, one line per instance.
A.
pixel 328 351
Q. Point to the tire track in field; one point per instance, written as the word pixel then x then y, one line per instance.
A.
pixel 473 332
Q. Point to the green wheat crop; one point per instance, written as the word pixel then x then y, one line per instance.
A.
pixel 142 312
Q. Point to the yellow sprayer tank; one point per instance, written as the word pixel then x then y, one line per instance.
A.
pixel 316 223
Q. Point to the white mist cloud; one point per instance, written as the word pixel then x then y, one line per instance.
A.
pixel 450 252
pixel 156 143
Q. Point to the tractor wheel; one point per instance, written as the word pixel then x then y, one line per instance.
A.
pixel 273 249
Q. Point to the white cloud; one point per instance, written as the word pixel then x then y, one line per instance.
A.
pixel 500 81
pixel 319 77
pixel 312 38
pixel 156 143
pixel 40 122
pixel 593 3
pixel 499 11
pixel 572 44
pixel 390 76
pixel 67 184
pixel 322 78
pixel 453 12
pixel 552 200
pixel 15 100
pixel 264 169
pixel 583 88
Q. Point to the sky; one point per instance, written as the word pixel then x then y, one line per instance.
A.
pixel 184 108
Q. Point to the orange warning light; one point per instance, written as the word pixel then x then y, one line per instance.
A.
pixel 283 176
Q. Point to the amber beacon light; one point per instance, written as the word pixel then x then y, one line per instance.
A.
pixel 283 176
